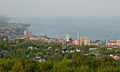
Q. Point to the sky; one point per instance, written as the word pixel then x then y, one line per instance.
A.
pixel 58 8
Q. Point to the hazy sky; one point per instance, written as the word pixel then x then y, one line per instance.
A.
pixel 39 8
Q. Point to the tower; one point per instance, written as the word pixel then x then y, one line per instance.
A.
pixel 67 38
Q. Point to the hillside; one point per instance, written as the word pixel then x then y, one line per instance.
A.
pixel 14 29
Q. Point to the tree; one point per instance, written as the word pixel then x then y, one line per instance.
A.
pixel 82 69
pixel 63 66
pixel 79 59
pixel 17 67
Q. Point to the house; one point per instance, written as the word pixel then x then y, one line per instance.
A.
pixel 4 32
pixel 39 59
pixel 92 50
pixel 115 57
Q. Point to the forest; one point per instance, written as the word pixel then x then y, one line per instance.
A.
pixel 18 56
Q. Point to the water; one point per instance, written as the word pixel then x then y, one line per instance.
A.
pixel 93 27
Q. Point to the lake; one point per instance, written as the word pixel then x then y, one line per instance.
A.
pixel 93 27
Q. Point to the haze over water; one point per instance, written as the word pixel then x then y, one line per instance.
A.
pixel 97 19
pixel 93 27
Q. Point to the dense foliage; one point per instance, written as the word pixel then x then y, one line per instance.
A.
pixel 17 56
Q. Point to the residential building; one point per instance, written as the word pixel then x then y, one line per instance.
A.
pixel 113 43
pixel 76 42
pixel 84 41
pixel 4 32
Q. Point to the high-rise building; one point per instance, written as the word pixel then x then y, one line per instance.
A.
pixel 77 41
pixel 78 36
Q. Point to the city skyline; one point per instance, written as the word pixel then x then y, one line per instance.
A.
pixel 52 17
pixel 59 35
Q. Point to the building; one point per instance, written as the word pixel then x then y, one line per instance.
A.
pixel 113 43
pixel 28 36
pixel 61 40
pixel 67 38
pixel 28 33
pixel 98 43
pixel 4 32
pixel 115 57
pixel 84 41
pixel 76 42
pixel 39 59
